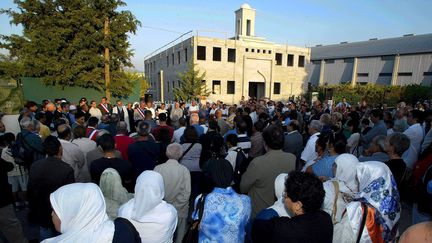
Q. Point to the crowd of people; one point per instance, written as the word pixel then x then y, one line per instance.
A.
pixel 257 171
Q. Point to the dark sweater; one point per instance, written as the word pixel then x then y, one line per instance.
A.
pixel 397 168
pixel 123 167
pixel 5 188
pixel 310 227
pixel 46 176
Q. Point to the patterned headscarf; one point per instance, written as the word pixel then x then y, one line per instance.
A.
pixel 378 190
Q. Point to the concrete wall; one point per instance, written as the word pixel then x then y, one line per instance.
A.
pixel 339 71
pixel 255 62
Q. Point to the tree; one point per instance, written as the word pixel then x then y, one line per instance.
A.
pixel 191 86
pixel 64 42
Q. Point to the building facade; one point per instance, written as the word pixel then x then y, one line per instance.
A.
pixel 245 65
pixel 394 61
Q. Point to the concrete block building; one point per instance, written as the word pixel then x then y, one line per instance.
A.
pixel 394 61
pixel 244 65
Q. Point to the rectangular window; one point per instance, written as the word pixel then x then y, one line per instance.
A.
pixel 216 88
pixel 248 27
pixel 387 58
pixel 179 83
pixel 301 61
pixel 173 86
pixel 178 57
pixel 290 61
pixel 172 57
pixel 269 51
pixel 264 51
pixel 316 62
pixel 276 88
pixel 258 50
pixel 329 60
pixel 405 74
pixel 278 58
pixel 362 74
pixel 217 54
pixel 427 74
pixel 201 52
pixel 167 61
pixel 168 86
pixel 348 60
pixel 231 55
pixel 185 52
pixel 385 74
pixel 253 50
pixel 230 87
pixel 247 49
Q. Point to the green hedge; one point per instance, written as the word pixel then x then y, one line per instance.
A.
pixel 376 94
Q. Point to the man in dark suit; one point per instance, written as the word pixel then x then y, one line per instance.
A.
pixel 293 141
pixel 104 106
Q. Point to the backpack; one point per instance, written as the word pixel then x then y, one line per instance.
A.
pixel 242 162
pixel 22 152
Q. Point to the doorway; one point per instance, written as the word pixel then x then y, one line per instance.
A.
pixel 256 89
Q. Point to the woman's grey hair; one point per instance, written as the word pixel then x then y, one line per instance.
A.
pixel 174 151
pixel 400 142
pixel 380 142
pixel 316 125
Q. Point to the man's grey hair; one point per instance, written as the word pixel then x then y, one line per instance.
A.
pixel 325 119
pixel 26 122
pixel 143 128
pixel 122 127
pixel 174 151
pixel 380 142
pixel 316 125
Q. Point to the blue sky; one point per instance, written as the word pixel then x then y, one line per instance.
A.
pixel 293 22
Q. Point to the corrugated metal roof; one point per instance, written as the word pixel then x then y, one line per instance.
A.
pixel 392 46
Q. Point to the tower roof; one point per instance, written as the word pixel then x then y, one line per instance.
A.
pixel 245 5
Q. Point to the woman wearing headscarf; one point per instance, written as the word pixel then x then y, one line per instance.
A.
pixel 278 209
pixel 225 212
pixel 374 214
pixel 115 194
pixel 343 188
pixel 155 219
pixel 79 214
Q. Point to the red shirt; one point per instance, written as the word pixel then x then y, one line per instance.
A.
pixel 156 131
pixel 122 143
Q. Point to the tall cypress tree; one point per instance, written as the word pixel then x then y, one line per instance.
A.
pixel 64 42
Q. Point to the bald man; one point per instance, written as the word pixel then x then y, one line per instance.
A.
pixel 418 233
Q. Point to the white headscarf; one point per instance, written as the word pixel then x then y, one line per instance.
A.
pixel 346 173
pixel 115 194
pixel 279 205
pixel 154 219
pixel 377 189
pixel 81 210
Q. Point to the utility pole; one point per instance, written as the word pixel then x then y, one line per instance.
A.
pixel 107 58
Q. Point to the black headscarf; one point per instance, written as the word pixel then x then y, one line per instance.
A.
pixel 221 172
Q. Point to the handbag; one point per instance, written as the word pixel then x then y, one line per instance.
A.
pixel 192 233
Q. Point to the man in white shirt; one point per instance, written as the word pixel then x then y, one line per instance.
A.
pixel 151 108
pixel 72 154
pixel 416 134
pixel 194 108
pixel 309 152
